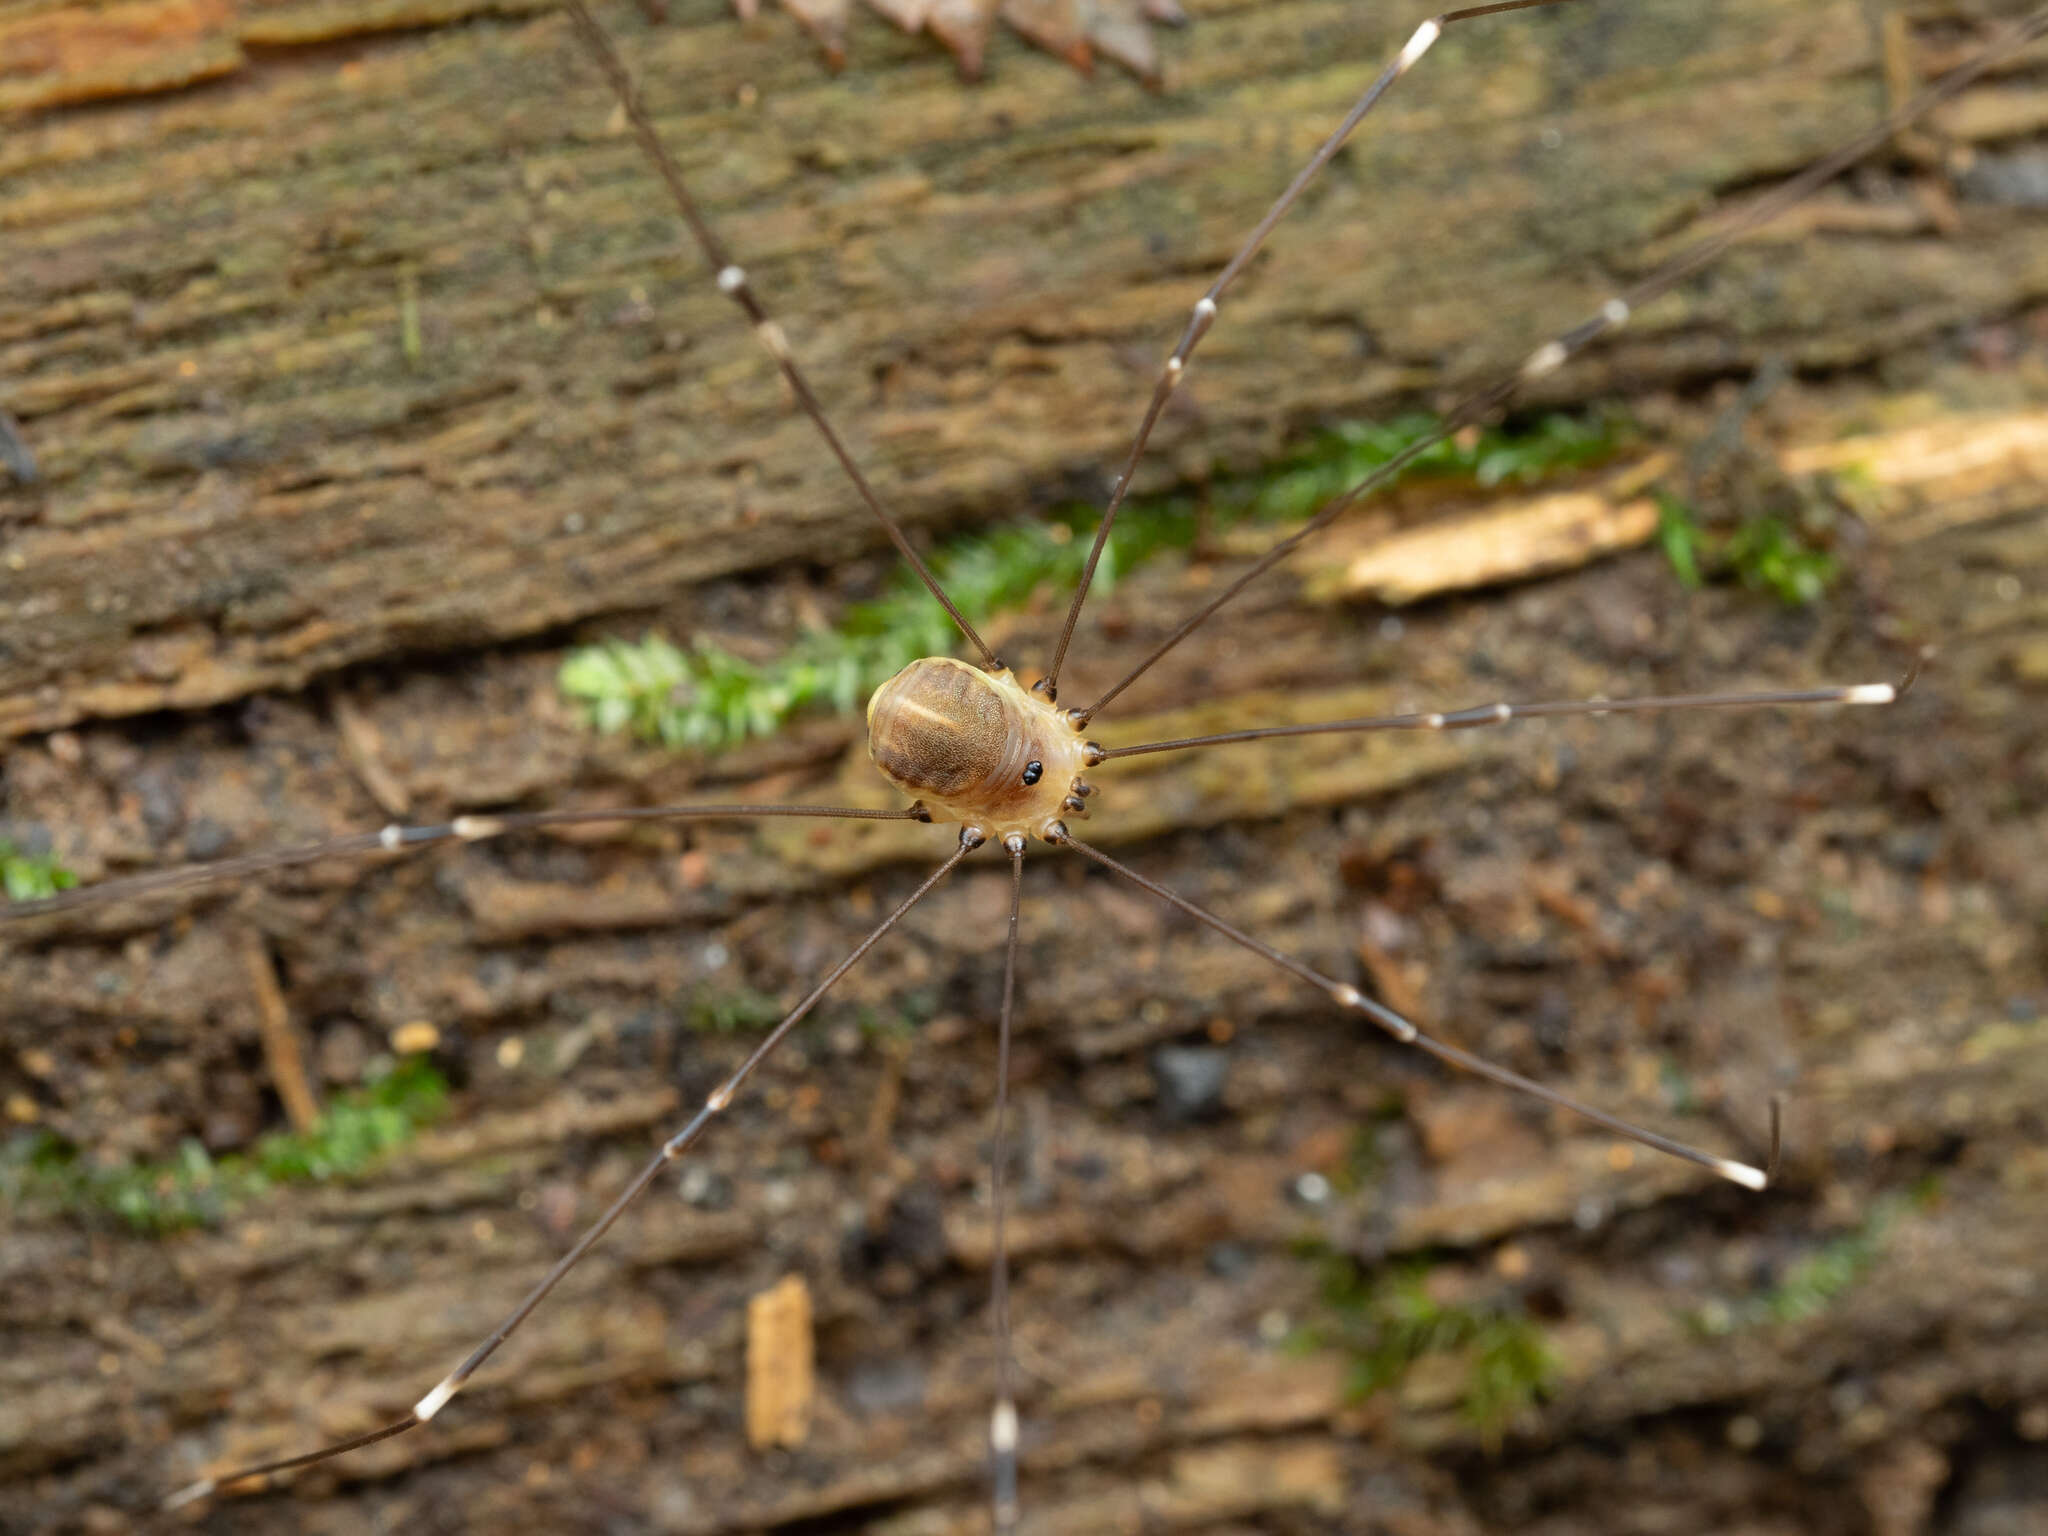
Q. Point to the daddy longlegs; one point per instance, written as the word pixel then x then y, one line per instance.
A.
pixel 972 747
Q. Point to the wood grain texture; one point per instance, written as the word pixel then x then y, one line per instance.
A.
pixel 1670 917
pixel 251 476
pixel 1841 905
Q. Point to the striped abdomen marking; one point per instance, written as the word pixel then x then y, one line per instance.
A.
pixel 973 745
pixel 938 728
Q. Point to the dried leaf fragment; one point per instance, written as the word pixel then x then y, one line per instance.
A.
pixel 1526 537
pixel 781 1380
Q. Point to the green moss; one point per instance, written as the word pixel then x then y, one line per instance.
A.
pixel 1386 1321
pixel 1680 1095
pixel 741 1010
pixel 1681 538
pixel 1511 1367
pixel 29 877
pixel 1770 556
pixel 725 1013
pixel 703 697
pixel 197 1189
pixel 1766 554
pixel 1812 1284
pixel 1363 1162
pixel 890 1026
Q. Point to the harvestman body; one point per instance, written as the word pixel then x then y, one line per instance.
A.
pixel 978 750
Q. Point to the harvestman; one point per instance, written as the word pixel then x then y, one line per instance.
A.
pixel 976 749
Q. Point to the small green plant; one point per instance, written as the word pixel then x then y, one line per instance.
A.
pixel 1770 557
pixel 1680 1094
pixel 1363 1161
pixel 1813 1284
pixel 1681 538
pixel 1385 1322
pixel 726 1013
pixel 887 1028
pixel 1511 1367
pixel 1765 553
pixel 31 876
pixel 702 696
pixel 197 1189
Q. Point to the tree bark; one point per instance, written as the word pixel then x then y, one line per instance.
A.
pixel 386 343
pixel 1672 918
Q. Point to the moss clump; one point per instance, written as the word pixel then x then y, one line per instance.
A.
pixel 31 876
pixel 701 696
pixel 1765 553
pixel 1386 1321
pixel 726 1013
pixel 1812 1284
pixel 197 1189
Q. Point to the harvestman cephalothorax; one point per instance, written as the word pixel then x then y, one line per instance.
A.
pixel 972 748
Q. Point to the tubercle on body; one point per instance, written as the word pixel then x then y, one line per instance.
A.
pixel 979 749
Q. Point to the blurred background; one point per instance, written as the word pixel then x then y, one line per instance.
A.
pixel 375 448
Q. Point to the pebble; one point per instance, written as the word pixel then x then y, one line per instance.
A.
pixel 1312 1189
pixel 894 1385
pixel 1190 1080
pixel 704 1188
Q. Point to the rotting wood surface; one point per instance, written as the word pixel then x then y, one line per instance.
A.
pixel 1845 906
pixel 1838 906
pixel 352 356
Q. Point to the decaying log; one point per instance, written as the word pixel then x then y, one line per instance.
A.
pixel 354 353
pixel 452 382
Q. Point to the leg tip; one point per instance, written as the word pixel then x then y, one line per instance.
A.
pixel 191 1493
pixel 425 1409
pixel 1740 1173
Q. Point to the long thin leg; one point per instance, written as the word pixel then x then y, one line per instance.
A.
pixel 1204 314
pixel 1405 1032
pixel 732 282
pixel 1501 714
pixel 396 838
pixel 425 1409
pixel 1002 1424
pixel 1612 315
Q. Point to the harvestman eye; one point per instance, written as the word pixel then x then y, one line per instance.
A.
pixel 972 746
